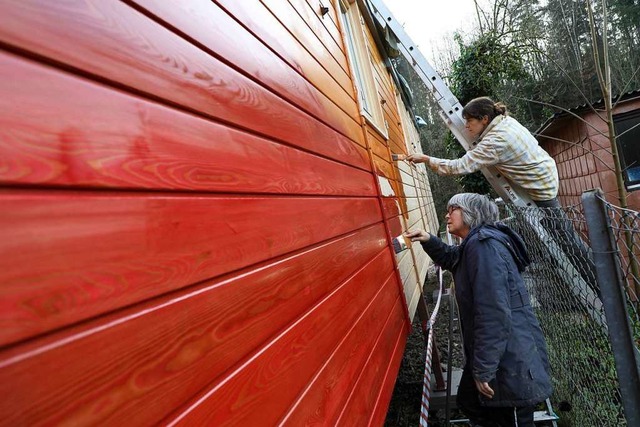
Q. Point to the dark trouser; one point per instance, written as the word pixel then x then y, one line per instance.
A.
pixel 468 401
pixel 557 223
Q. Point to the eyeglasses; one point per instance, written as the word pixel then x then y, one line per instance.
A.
pixel 450 209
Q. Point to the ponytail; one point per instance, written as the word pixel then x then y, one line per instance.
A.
pixel 500 109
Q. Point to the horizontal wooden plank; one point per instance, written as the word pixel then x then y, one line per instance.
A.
pixel 168 349
pixel 406 268
pixel 312 14
pixel 390 207
pixel 261 22
pixel 386 356
pixel 412 203
pixel 381 406
pixel 115 42
pixel 414 300
pixel 323 400
pixel 56 129
pixel 384 168
pixel 304 25
pixel 262 392
pixel 219 33
pixel 415 219
pixel 330 55
pixel 88 253
pixel 377 143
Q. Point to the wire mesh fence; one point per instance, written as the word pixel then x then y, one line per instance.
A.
pixel 564 281
pixel 565 293
pixel 625 228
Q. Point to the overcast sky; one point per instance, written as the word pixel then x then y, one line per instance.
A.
pixel 429 22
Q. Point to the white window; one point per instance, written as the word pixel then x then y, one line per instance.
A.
pixel 370 106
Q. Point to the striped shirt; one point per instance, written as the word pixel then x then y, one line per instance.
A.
pixel 514 152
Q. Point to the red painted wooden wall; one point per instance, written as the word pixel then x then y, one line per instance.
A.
pixel 191 226
pixel 583 155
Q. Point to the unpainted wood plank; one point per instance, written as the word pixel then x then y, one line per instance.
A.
pixel 56 129
pixel 117 43
pixel 68 256
pixel 415 219
pixel 413 300
pixel 409 190
pixel 262 392
pixel 135 366
pixel 412 203
pixel 405 267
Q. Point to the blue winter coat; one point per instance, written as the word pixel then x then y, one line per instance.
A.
pixel 503 342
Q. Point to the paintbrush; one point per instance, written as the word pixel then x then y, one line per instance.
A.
pixel 401 243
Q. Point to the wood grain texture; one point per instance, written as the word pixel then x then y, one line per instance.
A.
pixel 387 353
pixel 261 22
pixel 390 207
pixel 377 143
pixel 310 12
pixel 115 42
pixel 219 33
pixel 99 137
pixel 329 54
pixel 303 24
pixel 406 268
pixel 322 401
pixel 262 392
pixel 69 256
pixel 381 407
pixel 133 367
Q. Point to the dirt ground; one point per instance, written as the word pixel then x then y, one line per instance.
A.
pixel 404 409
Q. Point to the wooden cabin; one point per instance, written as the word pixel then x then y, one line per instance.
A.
pixel 198 208
pixel 578 141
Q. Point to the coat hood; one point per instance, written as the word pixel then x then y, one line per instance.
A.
pixel 509 238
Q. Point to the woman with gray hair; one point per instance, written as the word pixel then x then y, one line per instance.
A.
pixel 506 370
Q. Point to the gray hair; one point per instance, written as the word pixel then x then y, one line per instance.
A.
pixel 476 209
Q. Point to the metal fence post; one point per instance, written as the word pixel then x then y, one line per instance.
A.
pixel 612 289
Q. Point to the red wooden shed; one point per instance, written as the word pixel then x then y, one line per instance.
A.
pixel 197 211
pixel 578 141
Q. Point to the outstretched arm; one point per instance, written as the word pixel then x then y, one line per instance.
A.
pixel 444 255
pixel 486 153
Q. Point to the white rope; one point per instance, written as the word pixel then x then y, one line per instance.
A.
pixel 426 383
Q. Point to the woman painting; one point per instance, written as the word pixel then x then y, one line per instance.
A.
pixel 506 371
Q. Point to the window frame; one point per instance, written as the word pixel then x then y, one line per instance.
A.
pixel 634 117
pixel 361 67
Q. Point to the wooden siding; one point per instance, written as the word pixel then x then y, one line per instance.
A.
pixel 196 219
pixel 584 159
pixel 408 184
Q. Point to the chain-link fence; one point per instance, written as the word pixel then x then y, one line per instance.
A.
pixel 625 228
pixel 563 283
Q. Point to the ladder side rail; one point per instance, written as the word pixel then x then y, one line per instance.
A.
pixel 451 109
pixel 451 113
